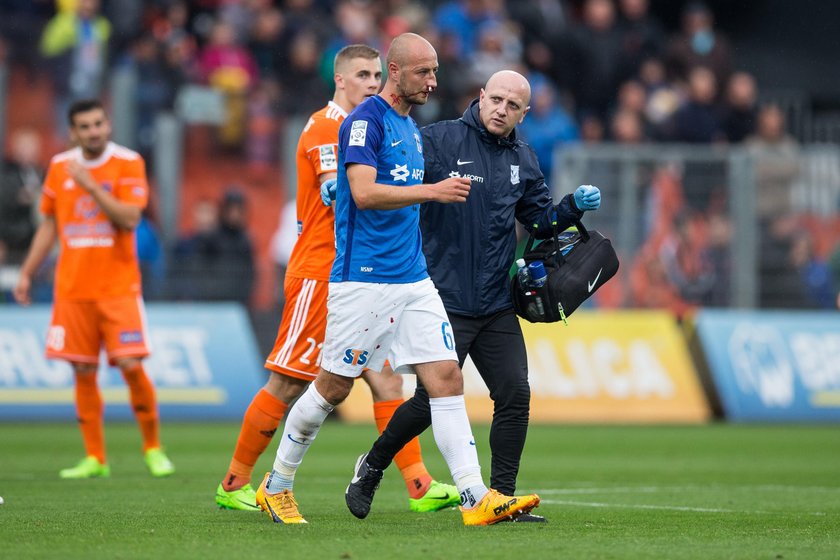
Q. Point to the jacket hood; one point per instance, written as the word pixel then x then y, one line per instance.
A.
pixel 471 118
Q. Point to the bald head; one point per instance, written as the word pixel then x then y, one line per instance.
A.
pixel 511 81
pixel 412 66
pixel 503 102
pixel 407 48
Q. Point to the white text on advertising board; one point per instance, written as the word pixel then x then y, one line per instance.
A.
pixel 598 367
pixel 178 359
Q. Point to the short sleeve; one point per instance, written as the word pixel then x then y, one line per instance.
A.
pixel 320 146
pixel 51 186
pixel 132 187
pixel 360 139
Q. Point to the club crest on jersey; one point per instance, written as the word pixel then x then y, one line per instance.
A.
pixel 86 208
pixel 514 174
pixel 418 142
pixel 358 133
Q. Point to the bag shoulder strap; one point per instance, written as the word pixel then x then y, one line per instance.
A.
pixel 584 235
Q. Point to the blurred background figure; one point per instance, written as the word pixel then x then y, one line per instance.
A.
pixel 699 44
pixel 597 57
pixel 698 120
pixel 229 68
pixel 75 44
pixel 548 124
pixel 216 262
pixel 740 112
pixel 20 190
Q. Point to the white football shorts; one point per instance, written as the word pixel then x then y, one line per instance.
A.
pixel 368 323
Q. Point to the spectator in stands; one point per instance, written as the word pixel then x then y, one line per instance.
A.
pixel 355 24
pixel 150 256
pixel 699 44
pixel 781 284
pixel 462 19
pixel 74 43
pixel 302 87
pixel 541 22
pixel 740 113
pixel 20 187
pixel 697 121
pixel 641 35
pixel 814 273
pixel 261 149
pixel 498 49
pixel 686 262
pixel 776 167
pixel 632 100
pixel 597 57
pixel 591 129
pixel 626 127
pixel 230 68
pixel 265 41
pixel 20 27
pixel 776 156
pixel 548 124
pixel 663 99
pixel 154 93
pixel 190 270
pixel 302 15
pixel 834 268
pixel 216 262
pixel 452 89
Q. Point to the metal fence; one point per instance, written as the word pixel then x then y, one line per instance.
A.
pixel 713 226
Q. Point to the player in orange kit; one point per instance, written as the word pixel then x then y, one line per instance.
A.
pixel 295 359
pixel 93 197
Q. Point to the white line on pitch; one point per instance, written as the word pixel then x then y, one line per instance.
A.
pixel 655 489
pixel 644 506
pixel 669 508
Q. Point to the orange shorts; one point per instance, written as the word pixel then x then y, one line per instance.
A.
pixel 80 328
pixel 297 349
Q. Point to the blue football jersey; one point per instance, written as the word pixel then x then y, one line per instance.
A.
pixel 378 245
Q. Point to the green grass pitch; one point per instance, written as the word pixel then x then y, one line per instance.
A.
pixel 717 491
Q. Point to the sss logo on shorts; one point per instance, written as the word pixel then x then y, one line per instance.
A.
pixel 355 357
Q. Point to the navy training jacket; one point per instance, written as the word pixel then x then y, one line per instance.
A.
pixel 470 246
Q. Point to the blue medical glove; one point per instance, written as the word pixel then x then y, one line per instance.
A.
pixel 587 197
pixel 328 188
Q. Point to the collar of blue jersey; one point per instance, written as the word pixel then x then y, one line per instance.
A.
pixel 472 120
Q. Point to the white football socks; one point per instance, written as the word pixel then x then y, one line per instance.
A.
pixel 454 438
pixel 302 425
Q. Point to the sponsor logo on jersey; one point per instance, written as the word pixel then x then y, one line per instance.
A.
pixel 400 172
pixel 127 337
pixel 473 178
pixel 355 357
pixel 328 160
pixel 358 133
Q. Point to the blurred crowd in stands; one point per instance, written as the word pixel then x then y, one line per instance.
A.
pixel 601 71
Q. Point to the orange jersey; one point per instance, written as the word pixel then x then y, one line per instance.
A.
pixel 97 259
pixel 317 153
